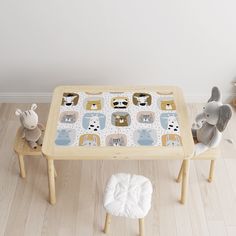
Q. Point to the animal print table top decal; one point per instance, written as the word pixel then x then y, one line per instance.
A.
pixel 117 119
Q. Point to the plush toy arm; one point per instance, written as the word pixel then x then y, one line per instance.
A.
pixel 41 126
pixel 215 139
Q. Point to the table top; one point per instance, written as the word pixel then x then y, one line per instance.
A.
pixel 107 122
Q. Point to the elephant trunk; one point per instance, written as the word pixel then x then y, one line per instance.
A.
pixel 199 120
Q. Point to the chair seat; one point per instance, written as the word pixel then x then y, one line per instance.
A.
pixel 22 147
pixel 210 154
pixel 128 196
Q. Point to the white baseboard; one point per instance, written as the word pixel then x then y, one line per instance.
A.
pixel 25 97
pixel 46 97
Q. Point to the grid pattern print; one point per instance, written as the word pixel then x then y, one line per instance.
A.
pixel 117 119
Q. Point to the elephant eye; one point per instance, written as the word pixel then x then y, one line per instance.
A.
pixel 204 108
pixel 207 115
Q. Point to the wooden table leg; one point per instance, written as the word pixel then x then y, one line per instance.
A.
pixel 51 182
pixel 179 178
pixel 185 178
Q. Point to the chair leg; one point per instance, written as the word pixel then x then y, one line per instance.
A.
pixel 185 179
pixel 55 172
pixel 179 178
pixel 107 223
pixel 141 227
pixel 22 165
pixel 211 173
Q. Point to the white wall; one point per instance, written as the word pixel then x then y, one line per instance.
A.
pixel 46 43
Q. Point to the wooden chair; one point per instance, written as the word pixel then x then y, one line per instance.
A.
pixel 22 149
pixel 212 155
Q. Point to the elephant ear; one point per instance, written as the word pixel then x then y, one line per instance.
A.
pixel 225 113
pixel 215 95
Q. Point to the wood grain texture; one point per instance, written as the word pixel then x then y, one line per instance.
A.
pixel 52 151
pixel 24 210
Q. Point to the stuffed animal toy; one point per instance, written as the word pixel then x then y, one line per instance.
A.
pixel 209 125
pixel 32 130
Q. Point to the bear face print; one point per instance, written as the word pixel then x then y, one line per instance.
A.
pixel 70 99
pixel 169 122
pixel 68 117
pixel 167 103
pixel 65 137
pixel 94 121
pixel 171 140
pixel 145 137
pixel 146 117
pixel 142 99
pixel 93 104
pixel 116 140
pixel 120 119
pixel 91 140
pixel 119 102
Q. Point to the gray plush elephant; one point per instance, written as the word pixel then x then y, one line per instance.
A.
pixel 210 124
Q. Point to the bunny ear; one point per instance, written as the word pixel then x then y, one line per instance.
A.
pixel 18 112
pixel 33 106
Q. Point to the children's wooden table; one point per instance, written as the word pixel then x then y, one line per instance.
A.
pixel 117 123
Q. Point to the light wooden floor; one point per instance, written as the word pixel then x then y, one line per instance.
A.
pixel 24 210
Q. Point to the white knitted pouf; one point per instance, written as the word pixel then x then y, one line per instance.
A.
pixel 128 196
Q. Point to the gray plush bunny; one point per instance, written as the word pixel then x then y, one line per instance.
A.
pixel 32 130
pixel 210 124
